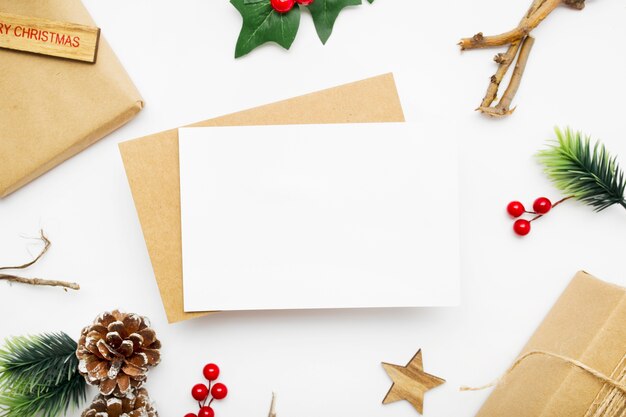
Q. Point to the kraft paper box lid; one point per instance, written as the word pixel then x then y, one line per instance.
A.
pixel 53 108
pixel 587 324
pixel 152 168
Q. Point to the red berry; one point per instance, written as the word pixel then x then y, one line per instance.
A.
pixel 211 372
pixel 283 6
pixel 515 208
pixel 206 411
pixel 190 415
pixel 199 392
pixel 305 2
pixel 521 227
pixel 219 391
pixel 542 205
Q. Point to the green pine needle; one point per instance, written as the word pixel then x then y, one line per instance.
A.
pixel 39 376
pixel 584 171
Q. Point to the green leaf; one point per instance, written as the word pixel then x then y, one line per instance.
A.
pixel 261 24
pixel 325 14
pixel 584 171
pixel 39 376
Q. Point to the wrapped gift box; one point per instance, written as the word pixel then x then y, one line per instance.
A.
pixel 584 333
pixel 53 108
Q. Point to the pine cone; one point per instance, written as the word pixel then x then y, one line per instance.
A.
pixel 116 351
pixel 138 405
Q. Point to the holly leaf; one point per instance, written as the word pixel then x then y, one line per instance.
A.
pixel 261 24
pixel 325 13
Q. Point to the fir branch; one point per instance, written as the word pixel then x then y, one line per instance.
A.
pixel 39 376
pixel 52 402
pixel 584 171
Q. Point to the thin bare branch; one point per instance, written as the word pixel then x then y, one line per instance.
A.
pixel 39 281
pixel 522 30
pixel 273 406
pixel 46 246
pixel 505 61
pixel 503 107
pixel 516 39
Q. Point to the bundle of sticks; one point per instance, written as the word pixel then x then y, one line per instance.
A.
pixel 520 44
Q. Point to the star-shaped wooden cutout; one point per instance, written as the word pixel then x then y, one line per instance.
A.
pixel 410 382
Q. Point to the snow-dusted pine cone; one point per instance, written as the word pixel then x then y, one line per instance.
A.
pixel 116 351
pixel 134 405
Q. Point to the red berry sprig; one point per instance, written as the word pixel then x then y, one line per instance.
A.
pixel 200 392
pixel 541 207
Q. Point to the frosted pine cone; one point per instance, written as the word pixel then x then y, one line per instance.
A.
pixel 138 405
pixel 116 351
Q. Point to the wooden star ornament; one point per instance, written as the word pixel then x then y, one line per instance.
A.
pixel 410 382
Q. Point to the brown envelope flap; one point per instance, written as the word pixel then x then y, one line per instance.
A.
pixel 151 165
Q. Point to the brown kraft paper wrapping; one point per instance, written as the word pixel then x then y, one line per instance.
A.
pixel 588 325
pixel 152 169
pixel 52 108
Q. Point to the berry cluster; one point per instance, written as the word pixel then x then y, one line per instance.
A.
pixel 541 207
pixel 200 392
pixel 283 6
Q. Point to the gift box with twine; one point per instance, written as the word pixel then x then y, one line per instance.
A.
pixel 575 363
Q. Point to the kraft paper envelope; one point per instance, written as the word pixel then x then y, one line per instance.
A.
pixel 587 325
pixel 152 168
pixel 53 108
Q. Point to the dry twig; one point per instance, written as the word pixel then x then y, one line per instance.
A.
pixel 46 246
pixel 39 281
pixel 36 281
pixel 520 44
pixel 273 406
pixel 503 108
pixel 504 60
pixel 530 21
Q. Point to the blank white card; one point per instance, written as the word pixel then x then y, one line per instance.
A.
pixel 318 216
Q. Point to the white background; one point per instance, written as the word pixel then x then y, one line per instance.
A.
pixel 328 362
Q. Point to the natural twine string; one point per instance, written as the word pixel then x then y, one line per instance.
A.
pixel 606 404
pixel 610 402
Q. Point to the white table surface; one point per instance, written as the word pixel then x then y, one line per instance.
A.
pixel 328 362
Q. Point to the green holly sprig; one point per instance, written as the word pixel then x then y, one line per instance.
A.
pixel 262 23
